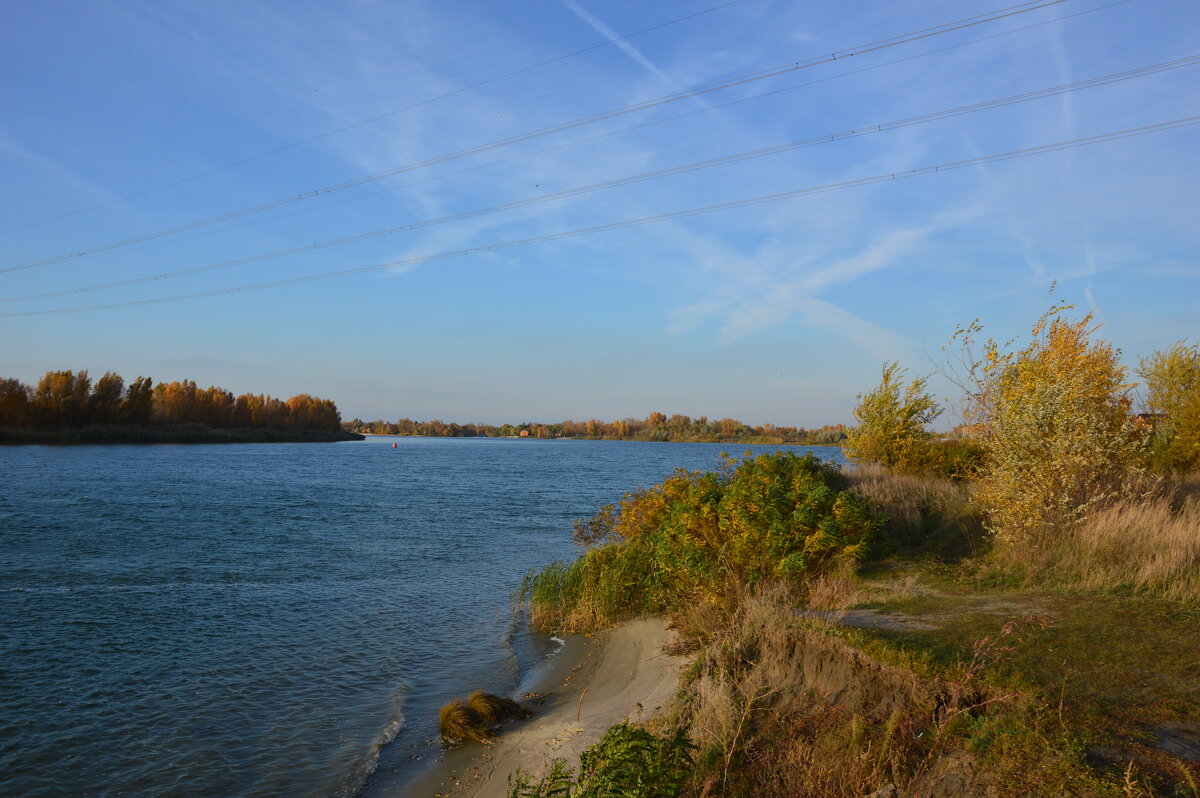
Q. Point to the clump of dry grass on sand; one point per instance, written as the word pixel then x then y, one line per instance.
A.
pixel 477 717
pixel 492 709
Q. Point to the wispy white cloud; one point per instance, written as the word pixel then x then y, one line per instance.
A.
pixel 882 343
pixel 772 285
pixel 624 44
pixel 55 170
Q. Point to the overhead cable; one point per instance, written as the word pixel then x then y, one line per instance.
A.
pixel 591 119
pixel 375 118
pixel 1053 91
pixel 662 217
pixel 607 134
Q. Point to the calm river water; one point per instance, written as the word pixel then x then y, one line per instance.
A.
pixel 277 619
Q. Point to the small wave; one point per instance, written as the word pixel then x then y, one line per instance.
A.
pixel 357 777
pixel 558 640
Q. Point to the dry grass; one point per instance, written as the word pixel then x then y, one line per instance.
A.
pixel 780 706
pixel 457 723
pixel 834 591
pixel 492 709
pixel 1178 488
pixel 1146 546
pixel 477 717
pixel 760 730
pixel 924 512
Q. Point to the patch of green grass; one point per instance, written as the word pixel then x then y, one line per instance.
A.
pixel 1092 685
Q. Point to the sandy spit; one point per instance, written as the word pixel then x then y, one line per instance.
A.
pixel 623 673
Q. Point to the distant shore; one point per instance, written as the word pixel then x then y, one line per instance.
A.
pixel 594 684
pixel 180 433
pixel 743 441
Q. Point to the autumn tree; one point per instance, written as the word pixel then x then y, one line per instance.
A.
pixel 104 404
pixel 14 403
pixel 138 403
pixel 175 402
pixel 1055 424
pixel 61 398
pixel 1172 379
pixel 893 424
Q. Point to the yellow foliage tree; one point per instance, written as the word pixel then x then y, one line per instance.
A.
pixel 1056 427
pixel 893 423
pixel 1173 397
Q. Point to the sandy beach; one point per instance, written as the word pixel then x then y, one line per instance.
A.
pixel 622 673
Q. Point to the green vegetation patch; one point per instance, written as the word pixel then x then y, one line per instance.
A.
pixel 1092 683
pixel 627 762
pixel 697 536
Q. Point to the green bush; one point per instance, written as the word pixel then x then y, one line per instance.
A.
pixel 1173 400
pixel 627 762
pixel 687 539
pixel 893 425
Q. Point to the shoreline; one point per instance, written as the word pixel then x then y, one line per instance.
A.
pixel 147 434
pixel 593 684
pixel 602 440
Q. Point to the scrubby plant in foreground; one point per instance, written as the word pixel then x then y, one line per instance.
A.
pixel 686 540
pixel 627 762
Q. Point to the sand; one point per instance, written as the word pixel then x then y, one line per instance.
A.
pixel 623 673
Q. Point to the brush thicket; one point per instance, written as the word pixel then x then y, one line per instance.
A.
pixel 685 540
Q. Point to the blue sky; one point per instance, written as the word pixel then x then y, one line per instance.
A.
pixel 780 312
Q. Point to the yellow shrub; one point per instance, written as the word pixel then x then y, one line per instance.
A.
pixel 1057 429
pixel 1173 397
pixel 893 424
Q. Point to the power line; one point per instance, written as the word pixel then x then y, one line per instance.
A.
pixel 591 119
pixel 376 118
pixel 986 105
pixel 640 126
pixel 603 228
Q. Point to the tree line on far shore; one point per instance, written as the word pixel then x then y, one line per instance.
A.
pixel 655 427
pixel 71 399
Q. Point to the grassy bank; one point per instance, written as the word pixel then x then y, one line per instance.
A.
pixel 173 433
pixel 860 634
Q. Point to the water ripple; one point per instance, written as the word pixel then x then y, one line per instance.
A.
pixel 276 619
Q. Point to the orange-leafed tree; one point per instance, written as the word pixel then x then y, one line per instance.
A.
pixel 61 398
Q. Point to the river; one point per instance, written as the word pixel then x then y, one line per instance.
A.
pixel 278 619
